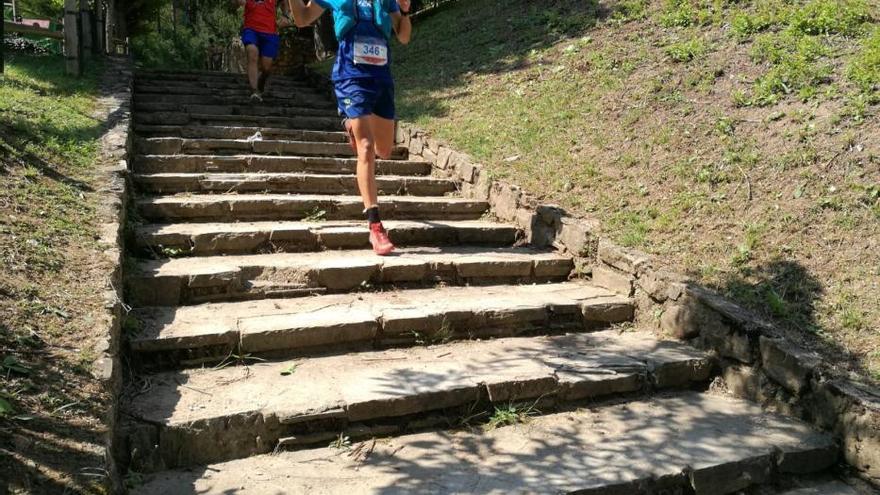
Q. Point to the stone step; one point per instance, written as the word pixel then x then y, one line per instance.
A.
pixel 240 82
pixel 178 146
pixel 263 237
pixel 157 89
pixel 228 132
pixel 184 74
pixel 302 326
pixel 702 444
pixel 314 123
pixel 158 164
pixel 170 282
pixel 825 488
pixel 214 414
pixel 234 110
pixel 290 183
pixel 238 98
pixel 252 207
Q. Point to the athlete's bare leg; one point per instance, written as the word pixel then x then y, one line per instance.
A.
pixel 383 135
pixel 265 69
pixel 366 156
pixel 253 70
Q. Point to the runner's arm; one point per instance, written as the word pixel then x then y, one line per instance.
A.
pixel 402 23
pixel 304 14
pixel 237 3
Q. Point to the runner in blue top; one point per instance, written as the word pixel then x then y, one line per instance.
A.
pixel 364 86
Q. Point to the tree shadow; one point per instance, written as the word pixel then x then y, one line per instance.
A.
pixel 25 129
pixel 786 293
pixel 501 37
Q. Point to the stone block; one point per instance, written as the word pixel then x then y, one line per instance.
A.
pixel 728 342
pixel 575 235
pixel 626 260
pixel 479 189
pixel 416 143
pixel 613 280
pixel 805 461
pixel 731 477
pixel 429 156
pixel 504 200
pixel 684 320
pixel 433 145
pixel 742 381
pixel 443 156
pixel 466 171
pixel 784 362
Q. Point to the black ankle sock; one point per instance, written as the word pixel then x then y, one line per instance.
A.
pixel 373 215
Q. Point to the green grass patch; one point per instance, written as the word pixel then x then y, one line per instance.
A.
pixel 685 51
pixel 864 69
pixel 829 17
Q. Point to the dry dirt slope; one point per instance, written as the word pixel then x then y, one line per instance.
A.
pixel 739 141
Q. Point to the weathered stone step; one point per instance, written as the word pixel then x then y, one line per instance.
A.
pixel 251 207
pixel 157 164
pixel 240 82
pixel 146 108
pixel 175 146
pixel 229 132
pixel 256 237
pixel 691 443
pixel 197 73
pixel 237 98
pixel 825 488
pixel 341 321
pixel 171 282
pixel 155 89
pixel 209 415
pixel 314 123
pixel 290 183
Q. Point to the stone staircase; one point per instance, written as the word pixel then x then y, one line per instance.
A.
pixel 263 330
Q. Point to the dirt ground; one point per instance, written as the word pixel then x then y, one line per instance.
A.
pixel 52 279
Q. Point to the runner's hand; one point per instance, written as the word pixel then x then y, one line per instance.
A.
pixel 404 5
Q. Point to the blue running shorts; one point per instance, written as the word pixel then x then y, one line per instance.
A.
pixel 359 97
pixel 267 43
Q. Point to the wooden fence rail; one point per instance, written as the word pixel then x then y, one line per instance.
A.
pixel 14 27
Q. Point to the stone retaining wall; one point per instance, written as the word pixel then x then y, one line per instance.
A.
pixel 115 143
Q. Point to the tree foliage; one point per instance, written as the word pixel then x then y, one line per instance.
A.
pixel 50 9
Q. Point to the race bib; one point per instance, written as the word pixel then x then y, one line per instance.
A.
pixel 370 51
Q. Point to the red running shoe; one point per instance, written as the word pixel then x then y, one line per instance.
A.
pixel 351 142
pixel 379 239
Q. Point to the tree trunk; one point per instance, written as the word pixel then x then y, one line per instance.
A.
pixel 72 46
pixel 85 15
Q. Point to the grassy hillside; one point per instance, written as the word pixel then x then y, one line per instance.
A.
pixel 50 279
pixel 738 141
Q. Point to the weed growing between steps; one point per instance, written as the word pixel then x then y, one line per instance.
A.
pixel 737 141
pixel 51 280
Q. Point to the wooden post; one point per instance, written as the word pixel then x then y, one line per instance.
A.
pixel 85 16
pixel 71 38
pixel 100 41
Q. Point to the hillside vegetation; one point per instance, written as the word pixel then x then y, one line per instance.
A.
pixel 51 279
pixel 737 141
